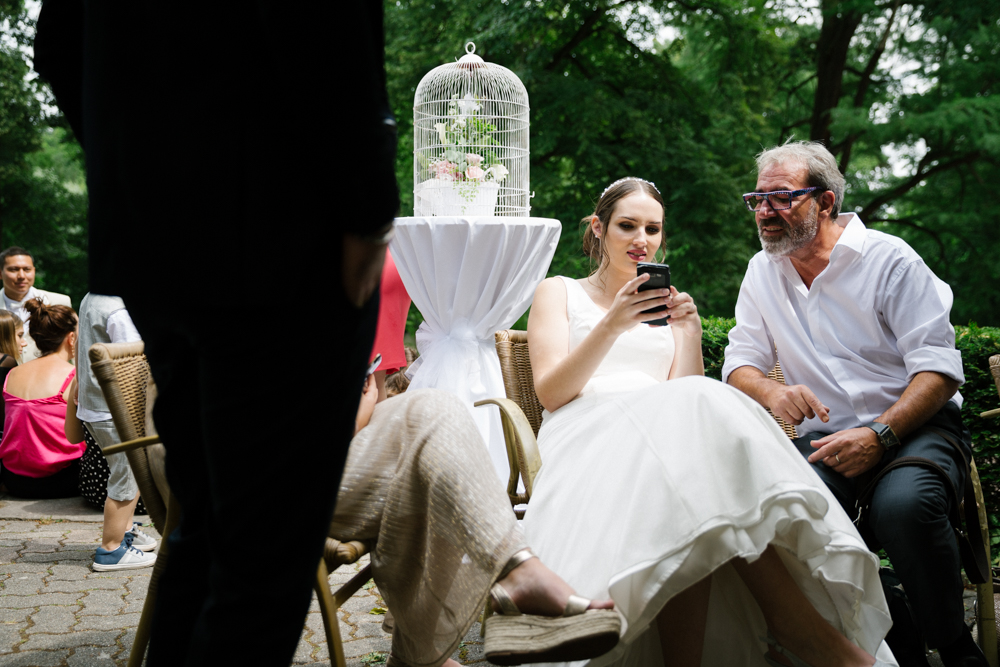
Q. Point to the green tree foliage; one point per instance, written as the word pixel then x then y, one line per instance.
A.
pixel 684 92
pixel 43 202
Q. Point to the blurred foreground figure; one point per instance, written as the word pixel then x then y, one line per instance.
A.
pixel 211 197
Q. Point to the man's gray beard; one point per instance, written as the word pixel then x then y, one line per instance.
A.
pixel 794 238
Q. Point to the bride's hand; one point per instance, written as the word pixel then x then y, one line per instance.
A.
pixel 683 313
pixel 627 309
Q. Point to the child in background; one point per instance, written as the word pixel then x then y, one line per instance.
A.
pixel 124 546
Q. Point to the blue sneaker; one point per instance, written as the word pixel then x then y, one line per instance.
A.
pixel 125 557
pixel 140 540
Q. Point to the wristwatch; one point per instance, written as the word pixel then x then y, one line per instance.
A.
pixel 885 434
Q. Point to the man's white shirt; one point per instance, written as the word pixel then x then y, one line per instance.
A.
pixel 17 307
pixel 874 318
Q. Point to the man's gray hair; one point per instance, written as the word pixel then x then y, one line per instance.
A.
pixel 820 163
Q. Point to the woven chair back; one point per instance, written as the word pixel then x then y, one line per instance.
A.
pixel 123 374
pixel 789 429
pixel 512 348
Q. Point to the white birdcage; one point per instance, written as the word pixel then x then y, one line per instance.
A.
pixel 470 140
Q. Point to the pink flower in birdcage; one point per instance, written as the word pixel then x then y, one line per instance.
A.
pixel 444 170
pixel 474 159
pixel 475 173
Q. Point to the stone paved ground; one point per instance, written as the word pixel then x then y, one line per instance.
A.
pixel 54 610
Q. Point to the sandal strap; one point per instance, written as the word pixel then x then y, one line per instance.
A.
pixel 504 601
pixel 515 560
pixel 576 606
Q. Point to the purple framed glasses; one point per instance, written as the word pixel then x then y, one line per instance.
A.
pixel 779 200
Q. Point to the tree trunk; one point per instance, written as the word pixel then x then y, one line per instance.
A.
pixel 839 25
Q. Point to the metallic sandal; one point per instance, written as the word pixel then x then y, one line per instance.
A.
pixel 513 638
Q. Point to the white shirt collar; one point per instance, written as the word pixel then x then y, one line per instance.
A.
pixel 12 305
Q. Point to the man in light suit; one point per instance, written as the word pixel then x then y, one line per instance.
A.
pixel 19 286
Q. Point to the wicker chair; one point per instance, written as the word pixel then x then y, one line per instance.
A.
pixel 521 416
pixel 123 375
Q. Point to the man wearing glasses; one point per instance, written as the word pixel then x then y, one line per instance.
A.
pixel 861 327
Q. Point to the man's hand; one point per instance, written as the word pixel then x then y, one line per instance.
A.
pixel 361 268
pixel 849 452
pixel 794 403
pixel 369 397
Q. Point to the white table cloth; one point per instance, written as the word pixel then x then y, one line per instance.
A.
pixel 469 277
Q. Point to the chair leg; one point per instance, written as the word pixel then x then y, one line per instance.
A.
pixel 139 645
pixel 986 622
pixel 328 608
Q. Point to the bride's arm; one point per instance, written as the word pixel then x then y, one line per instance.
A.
pixel 559 373
pixel 686 327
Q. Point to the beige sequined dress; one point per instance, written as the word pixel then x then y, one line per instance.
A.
pixel 419 483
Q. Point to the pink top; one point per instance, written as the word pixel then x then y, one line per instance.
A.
pixel 34 444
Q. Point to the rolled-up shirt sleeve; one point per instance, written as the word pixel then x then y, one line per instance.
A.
pixel 750 343
pixel 916 306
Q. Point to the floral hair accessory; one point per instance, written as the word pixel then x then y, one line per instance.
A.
pixel 630 178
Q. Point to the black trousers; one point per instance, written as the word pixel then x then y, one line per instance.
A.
pixel 909 519
pixel 234 417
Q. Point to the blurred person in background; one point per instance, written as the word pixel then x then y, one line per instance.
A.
pixel 36 458
pixel 18 271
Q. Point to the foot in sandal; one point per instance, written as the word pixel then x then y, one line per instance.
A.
pixel 541 620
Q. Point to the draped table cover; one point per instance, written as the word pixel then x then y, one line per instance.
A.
pixel 469 277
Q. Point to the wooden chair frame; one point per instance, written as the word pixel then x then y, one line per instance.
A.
pixel 123 374
pixel 521 413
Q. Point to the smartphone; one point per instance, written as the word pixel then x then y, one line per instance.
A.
pixel 374 365
pixel 659 278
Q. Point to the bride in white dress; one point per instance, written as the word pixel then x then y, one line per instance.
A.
pixel 675 495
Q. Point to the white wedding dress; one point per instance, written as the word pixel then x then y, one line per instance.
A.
pixel 647 486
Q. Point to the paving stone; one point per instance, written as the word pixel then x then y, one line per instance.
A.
pixel 88 584
pixel 125 642
pixel 360 604
pixel 57 557
pixel 24 583
pixel 303 651
pixel 71 640
pixel 8 554
pixel 13 568
pixel 52 619
pixel 14 615
pixel 72 572
pixel 118 621
pixel 43 544
pixel 90 656
pixel 10 636
pixel 468 653
pixel 138 585
pixel 26 601
pixel 35 658
pixel 10 543
pixel 102 603
pixel 359 647
pixel 133 607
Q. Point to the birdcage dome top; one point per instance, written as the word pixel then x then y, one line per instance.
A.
pixel 470 120
pixel 470 74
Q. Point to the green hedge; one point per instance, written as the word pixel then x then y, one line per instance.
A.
pixel 977 345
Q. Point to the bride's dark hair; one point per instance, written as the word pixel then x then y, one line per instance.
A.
pixel 592 246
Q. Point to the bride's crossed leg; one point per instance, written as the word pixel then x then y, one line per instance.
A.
pixel 791 619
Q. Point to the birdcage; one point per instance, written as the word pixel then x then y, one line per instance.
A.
pixel 470 140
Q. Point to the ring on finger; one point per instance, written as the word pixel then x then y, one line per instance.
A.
pixel 837 456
